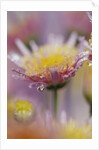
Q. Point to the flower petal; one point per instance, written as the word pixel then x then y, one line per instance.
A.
pixel 73 38
pixel 55 75
pixel 23 49
pixel 34 46
pixel 14 57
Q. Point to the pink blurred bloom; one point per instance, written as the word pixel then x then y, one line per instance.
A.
pixel 49 65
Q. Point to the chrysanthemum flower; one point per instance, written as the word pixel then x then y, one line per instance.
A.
pixel 84 44
pixel 88 81
pixel 88 73
pixel 45 126
pixel 88 86
pixel 24 110
pixel 49 65
pixel 74 131
pixel 19 109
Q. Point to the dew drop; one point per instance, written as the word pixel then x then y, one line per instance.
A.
pixel 41 76
pixel 40 88
pixel 65 76
pixel 17 70
pixel 14 76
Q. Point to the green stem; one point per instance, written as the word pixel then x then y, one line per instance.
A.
pixel 90 109
pixel 55 102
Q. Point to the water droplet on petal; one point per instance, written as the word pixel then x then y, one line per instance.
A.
pixel 41 76
pixel 17 70
pixel 14 76
pixel 41 88
pixel 65 76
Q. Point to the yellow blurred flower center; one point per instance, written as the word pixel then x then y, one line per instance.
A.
pixel 23 110
pixel 73 131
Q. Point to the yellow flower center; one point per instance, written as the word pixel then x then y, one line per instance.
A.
pixel 23 110
pixel 59 57
pixel 73 131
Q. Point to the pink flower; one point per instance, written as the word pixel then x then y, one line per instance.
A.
pixel 50 65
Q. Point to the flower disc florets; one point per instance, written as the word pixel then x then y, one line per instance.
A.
pixel 24 111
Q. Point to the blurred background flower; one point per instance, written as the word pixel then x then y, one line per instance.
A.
pixel 38 26
pixel 88 86
pixel 26 125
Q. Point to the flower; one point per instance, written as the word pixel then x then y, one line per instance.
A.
pixel 19 109
pixel 44 126
pixel 87 86
pixel 74 131
pixel 87 89
pixel 50 65
pixel 24 110
pixel 48 128
pixel 87 45
pixel 88 81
